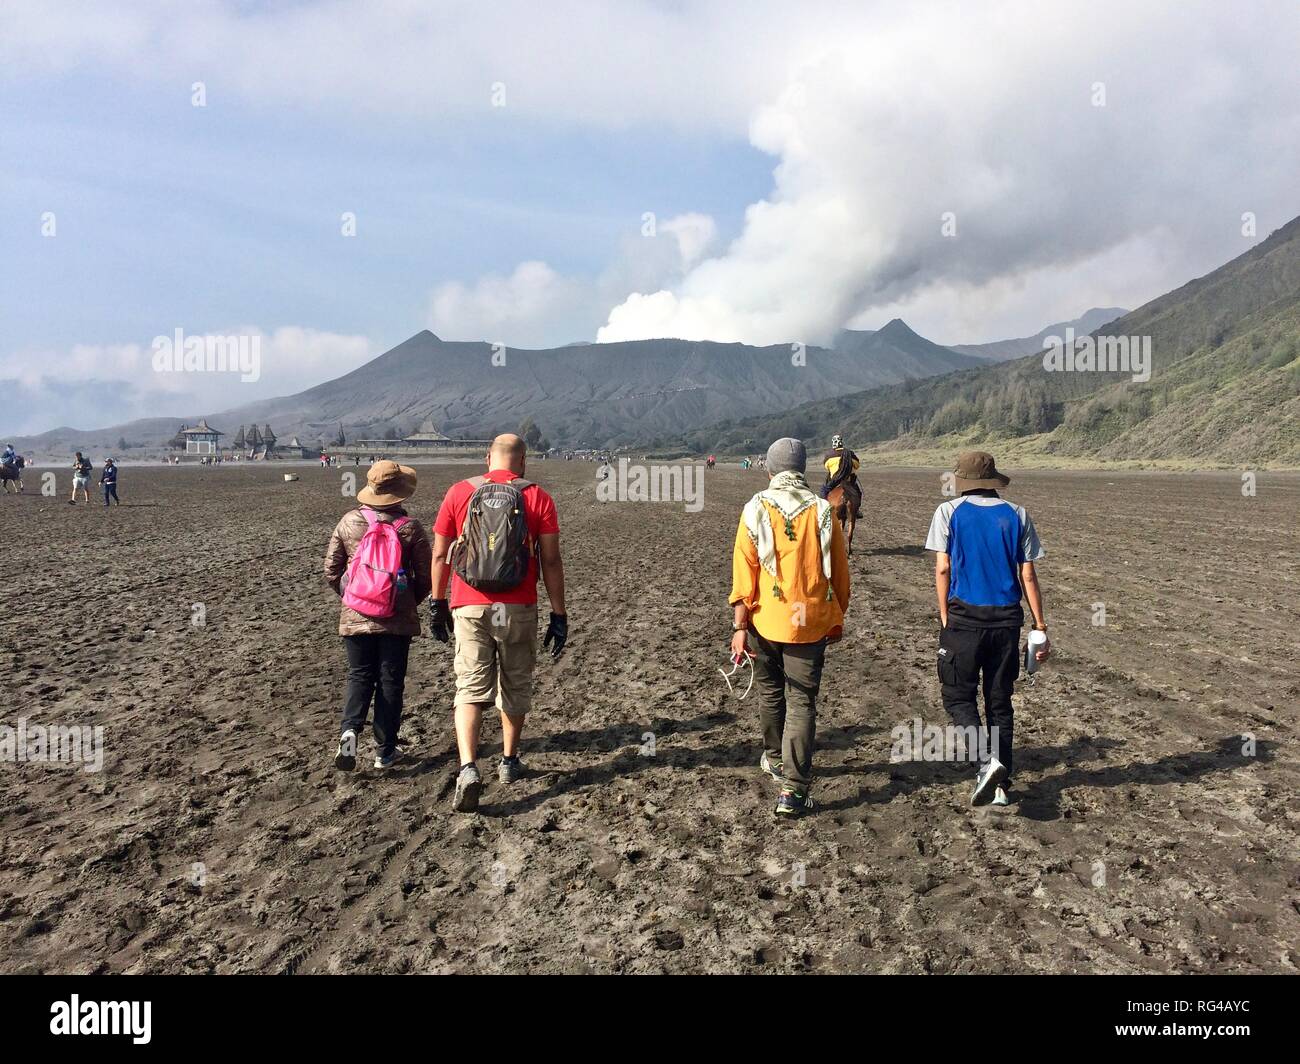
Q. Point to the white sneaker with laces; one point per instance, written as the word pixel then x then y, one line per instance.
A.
pixel 990 775
pixel 345 757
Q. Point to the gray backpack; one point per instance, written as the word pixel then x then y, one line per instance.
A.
pixel 493 550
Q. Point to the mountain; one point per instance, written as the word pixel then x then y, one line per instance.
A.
pixel 898 347
pixel 587 394
pixel 1002 350
pixel 1224 385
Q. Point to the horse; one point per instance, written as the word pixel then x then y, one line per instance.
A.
pixel 13 472
pixel 710 462
pixel 846 501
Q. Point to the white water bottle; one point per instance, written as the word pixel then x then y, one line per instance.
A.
pixel 1034 643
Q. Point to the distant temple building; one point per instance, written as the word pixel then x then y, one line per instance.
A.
pixel 254 442
pixel 201 439
pixel 250 442
pixel 426 438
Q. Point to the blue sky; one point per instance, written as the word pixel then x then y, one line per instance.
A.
pixel 799 161
pixel 210 217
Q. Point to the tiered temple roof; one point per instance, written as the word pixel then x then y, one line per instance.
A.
pixel 201 429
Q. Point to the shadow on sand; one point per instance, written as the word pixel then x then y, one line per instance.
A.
pixel 1039 800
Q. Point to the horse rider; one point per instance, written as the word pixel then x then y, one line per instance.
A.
pixel 10 456
pixel 841 468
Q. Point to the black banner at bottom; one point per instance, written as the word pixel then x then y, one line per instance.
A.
pixel 174 1013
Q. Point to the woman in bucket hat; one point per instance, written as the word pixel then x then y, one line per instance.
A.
pixel 377 635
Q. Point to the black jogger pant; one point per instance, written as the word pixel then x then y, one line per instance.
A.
pixel 376 669
pixel 969 655
pixel 787 677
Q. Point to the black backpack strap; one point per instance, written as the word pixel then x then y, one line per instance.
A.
pixel 478 482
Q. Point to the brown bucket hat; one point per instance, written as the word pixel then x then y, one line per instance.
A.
pixel 976 469
pixel 387 483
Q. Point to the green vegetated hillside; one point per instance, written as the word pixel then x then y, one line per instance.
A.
pixel 1224 386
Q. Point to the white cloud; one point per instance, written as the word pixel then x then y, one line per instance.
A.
pixel 694 234
pixel 94 385
pixel 564 62
pixel 524 309
pixel 988 113
pixel 536 307
pixel 880 117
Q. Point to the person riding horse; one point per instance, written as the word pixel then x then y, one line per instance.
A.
pixel 12 465
pixel 841 488
pixel 842 469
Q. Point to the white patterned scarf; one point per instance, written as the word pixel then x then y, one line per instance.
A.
pixel 788 493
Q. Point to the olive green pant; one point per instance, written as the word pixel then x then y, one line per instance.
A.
pixel 787 677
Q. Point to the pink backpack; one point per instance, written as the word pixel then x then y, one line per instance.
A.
pixel 371 587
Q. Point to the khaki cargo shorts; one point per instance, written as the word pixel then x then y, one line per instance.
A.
pixel 496 649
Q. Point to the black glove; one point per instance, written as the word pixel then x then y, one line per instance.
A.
pixel 440 622
pixel 557 630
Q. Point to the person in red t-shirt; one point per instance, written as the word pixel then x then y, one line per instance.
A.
pixel 496 633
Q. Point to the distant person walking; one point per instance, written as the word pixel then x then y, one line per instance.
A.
pixel 493 535
pixel 789 591
pixel 108 481
pixel 378 562
pixel 985 550
pixel 81 471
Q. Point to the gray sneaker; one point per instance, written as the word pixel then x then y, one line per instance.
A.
pixel 469 785
pixel 510 769
pixel 990 775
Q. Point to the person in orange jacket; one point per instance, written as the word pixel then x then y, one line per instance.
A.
pixel 789 591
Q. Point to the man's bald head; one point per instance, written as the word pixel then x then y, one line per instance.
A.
pixel 507 452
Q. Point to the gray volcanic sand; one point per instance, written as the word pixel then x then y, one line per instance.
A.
pixel 1144 839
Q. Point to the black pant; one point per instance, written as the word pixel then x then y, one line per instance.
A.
pixel 110 488
pixel 964 655
pixel 376 669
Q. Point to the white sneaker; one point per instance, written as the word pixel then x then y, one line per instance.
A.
pixel 345 758
pixel 989 777
pixel 772 768
pixel 1000 797
pixel 385 762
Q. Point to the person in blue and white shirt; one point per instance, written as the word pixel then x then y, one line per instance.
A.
pixel 108 481
pixel 985 550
